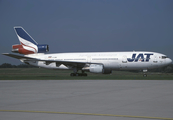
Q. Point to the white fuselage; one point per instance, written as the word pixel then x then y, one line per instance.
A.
pixel 140 60
pixel 95 62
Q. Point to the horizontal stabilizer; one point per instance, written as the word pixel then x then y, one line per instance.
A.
pixel 16 56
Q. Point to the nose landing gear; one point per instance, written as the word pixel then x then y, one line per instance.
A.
pixel 78 74
pixel 145 73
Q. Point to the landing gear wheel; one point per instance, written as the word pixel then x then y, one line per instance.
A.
pixel 78 74
pixel 144 75
pixel 84 74
pixel 72 74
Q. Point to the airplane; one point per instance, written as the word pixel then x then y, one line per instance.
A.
pixel 94 62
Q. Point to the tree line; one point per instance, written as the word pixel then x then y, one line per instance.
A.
pixel 7 65
pixel 167 69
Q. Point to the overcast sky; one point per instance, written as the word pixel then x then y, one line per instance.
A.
pixel 89 25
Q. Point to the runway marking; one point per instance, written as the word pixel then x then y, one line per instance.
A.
pixel 91 114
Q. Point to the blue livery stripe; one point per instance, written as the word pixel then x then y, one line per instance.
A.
pixel 23 34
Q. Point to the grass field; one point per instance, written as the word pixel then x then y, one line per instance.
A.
pixel 46 74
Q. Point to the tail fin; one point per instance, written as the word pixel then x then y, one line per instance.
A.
pixel 24 37
pixel 27 44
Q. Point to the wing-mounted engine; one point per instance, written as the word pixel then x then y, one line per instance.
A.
pixel 98 68
pixel 24 49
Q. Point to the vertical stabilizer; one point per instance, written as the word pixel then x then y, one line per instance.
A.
pixel 27 44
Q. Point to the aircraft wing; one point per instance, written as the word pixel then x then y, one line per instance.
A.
pixel 47 62
pixel 66 63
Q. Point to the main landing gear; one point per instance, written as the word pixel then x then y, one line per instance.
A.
pixel 75 70
pixel 78 74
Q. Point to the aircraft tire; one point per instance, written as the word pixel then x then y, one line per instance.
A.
pixel 72 74
pixel 144 75
pixel 84 74
pixel 78 74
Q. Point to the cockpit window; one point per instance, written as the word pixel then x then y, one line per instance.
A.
pixel 164 57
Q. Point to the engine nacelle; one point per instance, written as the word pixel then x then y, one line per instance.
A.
pixel 97 68
pixel 43 48
pixel 23 49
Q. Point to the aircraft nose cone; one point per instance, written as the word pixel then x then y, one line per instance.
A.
pixel 169 61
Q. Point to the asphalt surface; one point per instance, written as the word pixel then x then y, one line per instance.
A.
pixel 86 99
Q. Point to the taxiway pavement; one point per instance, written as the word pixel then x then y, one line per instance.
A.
pixel 86 99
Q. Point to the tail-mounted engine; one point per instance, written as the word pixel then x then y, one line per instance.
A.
pixel 23 49
pixel 43 48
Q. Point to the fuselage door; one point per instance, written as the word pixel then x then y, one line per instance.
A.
pixel 123 64
pixel 124 59
pixel 155 60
